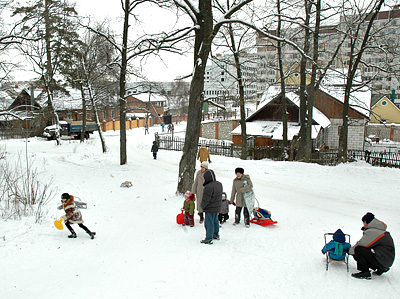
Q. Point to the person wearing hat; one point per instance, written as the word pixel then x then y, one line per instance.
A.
pixel 73 215
pixel 238 188
pixel 188 206
pixel 375 249
pixel 197 188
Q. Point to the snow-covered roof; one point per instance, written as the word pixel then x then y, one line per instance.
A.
pixel 144 97
pixel 334 84
pixel 63 101
pixel 134 115
pixel 273 129
pixel 273 91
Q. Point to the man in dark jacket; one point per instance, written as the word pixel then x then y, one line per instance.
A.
pixel 211 205
pixel 375 250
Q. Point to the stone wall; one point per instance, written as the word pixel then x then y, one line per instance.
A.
pixel 218 129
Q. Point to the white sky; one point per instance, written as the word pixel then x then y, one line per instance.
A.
pixel 155 20
pixel 169 67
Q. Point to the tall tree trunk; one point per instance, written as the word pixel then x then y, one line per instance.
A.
pixel 96 115
pixel 84 114
pixel 48 78
pixel 236 57
pixel 310 102
pixel 302 153
pixel 283 83
pixel 122 84
pixel 202 49
pixel 353 65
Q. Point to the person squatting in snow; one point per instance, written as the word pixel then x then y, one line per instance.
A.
pixel 73 215
pixel 375 250
pixel 238 188
pixel 211 205
pixel 224 213
pixel 188 206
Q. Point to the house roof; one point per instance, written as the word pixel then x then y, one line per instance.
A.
pixel 144 97
pixel 274 91
pixel 385 111
pixel 334 84
pixel 273 129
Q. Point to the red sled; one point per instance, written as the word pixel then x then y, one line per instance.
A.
pixel 263 222
pixel 180 218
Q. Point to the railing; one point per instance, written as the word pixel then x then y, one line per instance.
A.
pixel 327 157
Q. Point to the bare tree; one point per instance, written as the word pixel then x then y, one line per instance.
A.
pixel 92 72
pixel 205 30
pixel 359 38
pixel 51 26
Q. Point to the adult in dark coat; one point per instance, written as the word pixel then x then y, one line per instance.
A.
pixel 375 250
pixel 211 205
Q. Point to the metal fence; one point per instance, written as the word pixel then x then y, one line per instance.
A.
pixel 328 157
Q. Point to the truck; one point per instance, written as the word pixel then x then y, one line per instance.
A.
pixel 69 128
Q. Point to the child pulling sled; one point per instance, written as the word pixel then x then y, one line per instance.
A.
pixel 73 215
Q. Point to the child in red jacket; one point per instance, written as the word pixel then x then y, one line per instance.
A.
pixel 188 206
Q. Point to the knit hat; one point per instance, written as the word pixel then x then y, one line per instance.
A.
pixel 367 218
pixel 240 170
pixel 204 164
pixel 65 196
pixel 187 195
pixel 339 236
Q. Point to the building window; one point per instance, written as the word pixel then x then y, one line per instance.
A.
pixel 384 103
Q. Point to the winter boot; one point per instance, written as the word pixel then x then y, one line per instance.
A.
pixel 380 271
pixel 362 275
pixel 209 242
pixel 201 218
pixel 72 235
pixel 237 215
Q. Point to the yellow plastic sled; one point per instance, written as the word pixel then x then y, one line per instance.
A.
pixel 58 223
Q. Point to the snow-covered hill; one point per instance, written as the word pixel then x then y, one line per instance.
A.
pixel 140 252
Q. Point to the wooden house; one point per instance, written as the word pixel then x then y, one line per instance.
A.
pixel 266 128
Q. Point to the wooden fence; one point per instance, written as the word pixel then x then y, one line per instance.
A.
pixel 329 157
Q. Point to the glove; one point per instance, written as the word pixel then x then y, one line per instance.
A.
pixel 209 161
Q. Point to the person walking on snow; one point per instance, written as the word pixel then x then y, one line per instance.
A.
pixel 188 206
pixel 197 188
pixel 211 205
pixel 203 154
pixel 375 250
pixel 238 188
pixel 73 215
pixel 154 149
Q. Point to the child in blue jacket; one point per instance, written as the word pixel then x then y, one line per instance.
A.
pixel 338 245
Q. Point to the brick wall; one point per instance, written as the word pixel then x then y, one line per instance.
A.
pixel 355 134
pixel 391 132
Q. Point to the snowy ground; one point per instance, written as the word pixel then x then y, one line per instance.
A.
pixel 140 251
